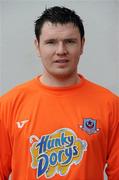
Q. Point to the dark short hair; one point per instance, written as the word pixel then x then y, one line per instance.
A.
pixel 61 15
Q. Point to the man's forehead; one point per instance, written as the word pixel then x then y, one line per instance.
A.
pixel 58 24
pixel 68 28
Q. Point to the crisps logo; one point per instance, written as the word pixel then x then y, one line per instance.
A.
pixel 55 153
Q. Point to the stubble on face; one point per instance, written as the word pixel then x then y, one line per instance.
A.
pixel 60 47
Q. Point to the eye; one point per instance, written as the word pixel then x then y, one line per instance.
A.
pixel 50 41
pixel 70 41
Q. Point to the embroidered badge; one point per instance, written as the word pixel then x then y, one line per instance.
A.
pixel 56 153
pixel 90 126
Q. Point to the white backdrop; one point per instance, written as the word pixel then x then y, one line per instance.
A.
pixel 18 60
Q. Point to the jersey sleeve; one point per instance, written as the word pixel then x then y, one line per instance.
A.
pixel 112 169
pixel 5 146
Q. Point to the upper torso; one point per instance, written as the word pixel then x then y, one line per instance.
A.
pixel 58 134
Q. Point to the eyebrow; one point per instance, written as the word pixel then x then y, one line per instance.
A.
pixel 72 39
pixel 55 39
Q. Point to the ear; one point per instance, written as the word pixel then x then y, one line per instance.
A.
pixel 36 43
pixel 82 45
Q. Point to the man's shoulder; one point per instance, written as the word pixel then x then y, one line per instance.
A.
pixel 100 91
pixel 19 90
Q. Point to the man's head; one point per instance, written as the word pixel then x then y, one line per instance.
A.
pixel 59 43
pixel 58 15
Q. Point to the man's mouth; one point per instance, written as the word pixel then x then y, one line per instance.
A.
pixel 61 61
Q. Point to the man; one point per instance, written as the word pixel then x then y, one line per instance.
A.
pixel 59 125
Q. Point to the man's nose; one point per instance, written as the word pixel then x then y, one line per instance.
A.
pixel 61 49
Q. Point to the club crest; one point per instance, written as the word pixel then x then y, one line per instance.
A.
pixel 89 126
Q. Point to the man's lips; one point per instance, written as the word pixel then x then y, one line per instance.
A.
pixel 60 61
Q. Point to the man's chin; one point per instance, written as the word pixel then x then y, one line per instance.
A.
pixel 63 75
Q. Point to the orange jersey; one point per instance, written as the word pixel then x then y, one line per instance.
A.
pixel 66 133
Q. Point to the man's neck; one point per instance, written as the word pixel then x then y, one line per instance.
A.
pixel 60 81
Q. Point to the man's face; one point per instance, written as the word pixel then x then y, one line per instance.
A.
pixel 60 47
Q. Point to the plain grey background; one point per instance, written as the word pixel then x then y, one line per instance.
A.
pixel 18 59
